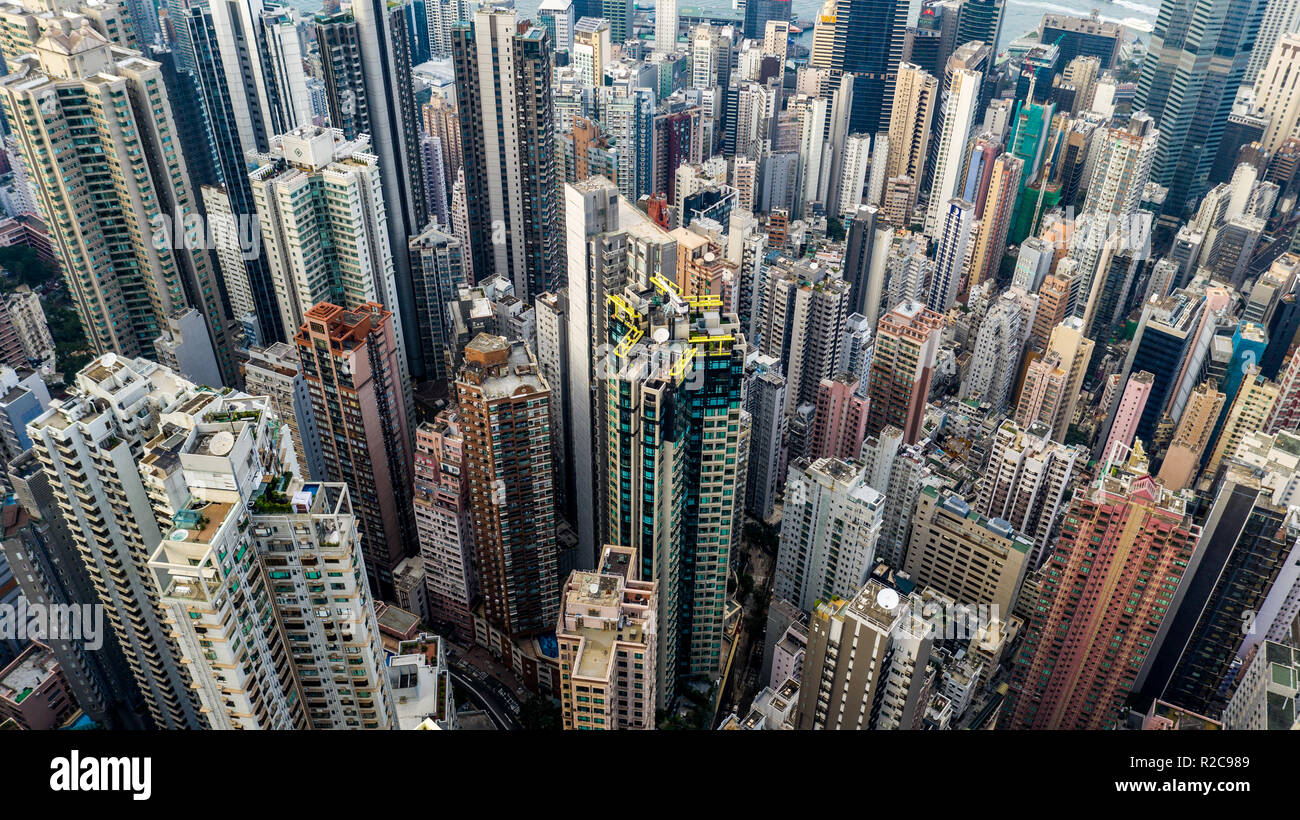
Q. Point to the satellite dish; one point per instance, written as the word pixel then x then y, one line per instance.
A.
pixel 221 444
pixel 709 257
pixel 661 334
pixel 109 359
pixel 180 535
pixel 887 598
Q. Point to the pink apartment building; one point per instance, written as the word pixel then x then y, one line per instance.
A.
pixel 350 363
pixel 841 421
pixel 442 521
pixel 1131 404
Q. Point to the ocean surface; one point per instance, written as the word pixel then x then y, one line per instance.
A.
pixel 1021 15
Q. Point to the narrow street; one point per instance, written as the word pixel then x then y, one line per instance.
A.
pixel 484 685
pixel 743 682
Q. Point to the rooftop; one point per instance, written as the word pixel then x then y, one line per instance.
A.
pixel 27 673
pixel 397 621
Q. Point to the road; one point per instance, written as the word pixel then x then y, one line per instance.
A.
pixel 487 693
pixel 743 683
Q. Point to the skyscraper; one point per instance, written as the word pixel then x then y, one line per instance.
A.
pixel 1171 340
pixel 964 555
pixel 443 522
pixel 42 555
pixel 1189 80
pixel 1280 17
pixel 829 528
pixel 951 255
pixel 1113 225
pixel 666 25
pixel 116 201
pixel 324 224
pixel 249 69
pixel 592 49
pixel 513 192
pixel 880 687
pixel 275 371
pixel 339 46
pixel 907 346
pixel 1028 482
pixel 760 12
pixel 869 242
pixel 89 446
pixel 1042 392
pixel 981 20
pixel 840 423
pixel 1286 410
pixel 372 75
pixel 1131 403
pixel 801 324
pixel 1275 96
pixel 247 523
pixel 995 356
pixel 24 25
pixel 1103 602
pixel 856 160
pixel 912 109
pixel 559 18
pixel 629 116
pixel 600 226
pixel 960 112
pixel 1249 538
pixel 1266 695
pixel 1247 413
pixel 867 43
pixel 608 634
pixel 995 220
pixel 619 15
pixel 351 364
pixel 1072 353
pixel 438 269
pixel 676 459
pixel 1191 439
pixel 505 415
pixel 1089 36
pixel 1123 166
pixel 765 403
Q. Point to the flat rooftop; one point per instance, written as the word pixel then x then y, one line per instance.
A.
pixel 27 673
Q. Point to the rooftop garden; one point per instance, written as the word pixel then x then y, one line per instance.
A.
pixel 273 500
pixel 225 416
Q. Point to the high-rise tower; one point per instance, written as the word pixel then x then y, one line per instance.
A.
pixel 505 414
pixel 115 189
pixel 907 346
pixel 676 458
pixel 350 362
pixel 1124 547
pixel 513 189
pixel 1193 66
pixel 374 75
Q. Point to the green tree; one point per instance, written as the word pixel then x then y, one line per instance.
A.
pixel 71 350
pixel 23 267
pixel 1074 435
pixel 834 229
